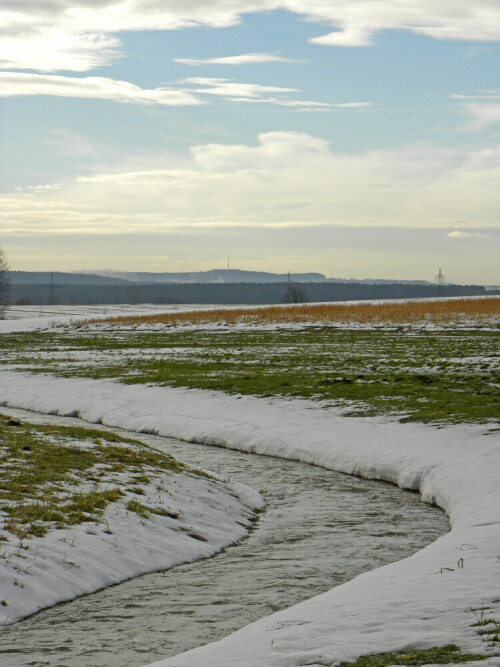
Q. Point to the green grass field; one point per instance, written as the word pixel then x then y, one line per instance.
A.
pixel 450 375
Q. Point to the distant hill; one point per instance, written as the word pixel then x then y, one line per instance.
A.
pixel 213 276
pixel 60 278
pixel 379 281
pixel 239 276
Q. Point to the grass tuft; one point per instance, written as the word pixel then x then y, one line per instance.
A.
pixel 443 655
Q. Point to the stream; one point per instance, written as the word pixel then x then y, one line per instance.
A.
pixel 319 530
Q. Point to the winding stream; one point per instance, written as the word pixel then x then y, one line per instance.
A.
pixel 320 529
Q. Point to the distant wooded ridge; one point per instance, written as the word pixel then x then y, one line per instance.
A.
pixel 204 277
pixel 59 292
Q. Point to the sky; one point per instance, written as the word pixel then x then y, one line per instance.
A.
pixel 356 138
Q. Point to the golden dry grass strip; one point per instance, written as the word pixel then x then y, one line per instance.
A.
pixel 396 311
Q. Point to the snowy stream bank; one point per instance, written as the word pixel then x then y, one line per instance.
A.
pixel 421 601
pixel 319 530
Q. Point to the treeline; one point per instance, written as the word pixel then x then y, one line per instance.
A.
pixel 230 293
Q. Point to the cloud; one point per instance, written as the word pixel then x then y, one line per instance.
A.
pixel 482 107
pixel 79 35
pixel 482 115
pixel 352 105
pixel 232 89
pixel 22 84
pixel 275 150
pixel 420 162
pixel 299 105
pixel 480 95
pixel 66 142
pixel 243 59
pixel 347 36
pixel 356 23
pixel 307 105
pixel 466 235
pixel 285 180
pixel 51 48
pixel 19 84
pixel 256 93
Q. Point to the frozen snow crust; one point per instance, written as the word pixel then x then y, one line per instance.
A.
pixel 422 601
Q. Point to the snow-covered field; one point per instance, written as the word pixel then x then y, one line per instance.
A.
pixel 35 318
pixel 63 313
pixel 433 598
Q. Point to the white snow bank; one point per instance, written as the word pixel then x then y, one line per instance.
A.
pixel 204 515
pixel 421 601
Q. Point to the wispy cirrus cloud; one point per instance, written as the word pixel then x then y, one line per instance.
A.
pixel 306 105
pixel 243 59
pixel 482 115
pixel 232 89
pixel 14 84
pixel 253 93
pixel 186 92
pixel 482 107
pixel 479 95
pixel 256 93
pixel 352 105
pixel 78 35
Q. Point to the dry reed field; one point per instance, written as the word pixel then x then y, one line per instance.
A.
pixel 395 312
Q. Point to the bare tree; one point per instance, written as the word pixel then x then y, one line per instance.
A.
pixel 4 284
pixel 295 294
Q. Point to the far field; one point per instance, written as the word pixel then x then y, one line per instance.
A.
pixel 424 362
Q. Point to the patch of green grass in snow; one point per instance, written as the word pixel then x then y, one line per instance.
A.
pixel 58 476
pixel 441 376
pixel 440 655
